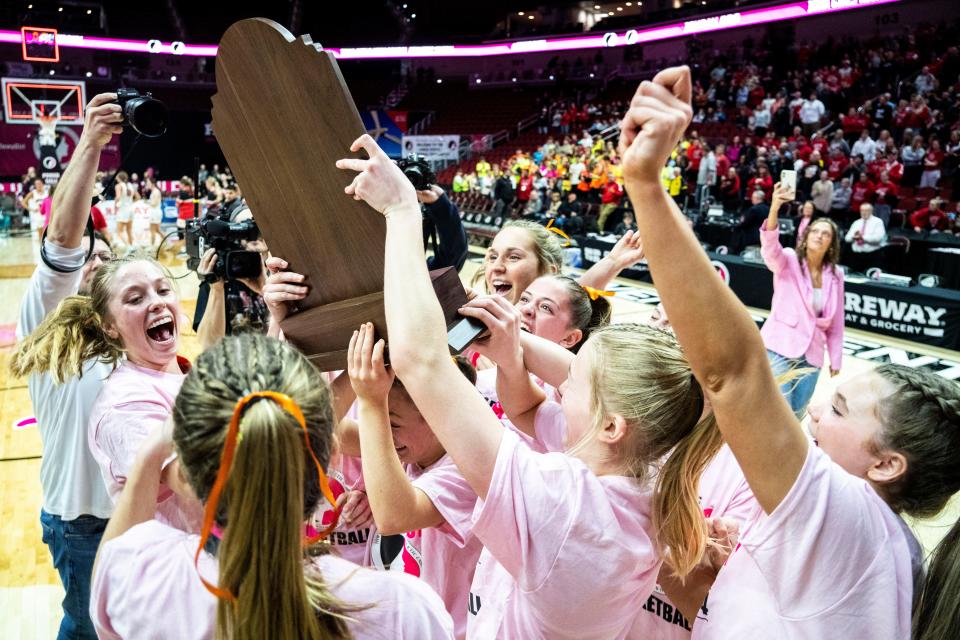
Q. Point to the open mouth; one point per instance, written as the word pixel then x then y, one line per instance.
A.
pixel 161 330
pixel 525 326
pixel 501 288
pixel 401 450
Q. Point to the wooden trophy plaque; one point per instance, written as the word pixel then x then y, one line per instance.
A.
pixel 283 116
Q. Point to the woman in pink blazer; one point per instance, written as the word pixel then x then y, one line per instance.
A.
pixel 806 314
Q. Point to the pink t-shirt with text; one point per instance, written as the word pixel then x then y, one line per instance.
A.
pixel 566 554
pixel 448 553
pixel 351 543
pixel 133 402
pixel 146 587
pixel 724 492
pixel 831 561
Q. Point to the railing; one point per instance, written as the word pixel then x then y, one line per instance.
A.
pixel 424 122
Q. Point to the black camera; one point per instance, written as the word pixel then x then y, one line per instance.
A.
pixel 417 171
pixel 146 114
pixel 233 261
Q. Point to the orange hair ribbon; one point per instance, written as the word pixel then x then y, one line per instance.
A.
pixel 557 231
pixel 596 293
pixel 223 472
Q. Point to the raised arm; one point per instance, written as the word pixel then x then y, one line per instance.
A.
pixel 71 202
pixel 519 396
pixel 728 358
pixel 396 504
pixel 458 415
pixel 138 499
pixel 770 248
pixel 627 252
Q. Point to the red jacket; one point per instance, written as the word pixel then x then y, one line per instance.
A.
pixel 612 193
pixel 926 219
pixel 764 184
pixel 860 192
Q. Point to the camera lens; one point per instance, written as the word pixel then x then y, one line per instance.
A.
pixel 147 116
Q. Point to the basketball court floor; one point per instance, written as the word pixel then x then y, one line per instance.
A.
pixel 30 591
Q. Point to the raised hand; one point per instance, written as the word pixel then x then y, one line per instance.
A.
pixel 658 115
pixel 380 183
pixel 503 321
pixel 628 251
pixel 370 378
pixel 282 288
pixel 430 195
pixel 102 120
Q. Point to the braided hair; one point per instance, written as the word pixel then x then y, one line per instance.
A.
pixel 920 420
pixel 271 490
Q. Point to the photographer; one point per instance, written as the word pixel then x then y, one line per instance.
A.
pixel 450 250
pixel 75 501
pixel 227 305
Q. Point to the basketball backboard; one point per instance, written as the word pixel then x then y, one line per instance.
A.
pixel 30 101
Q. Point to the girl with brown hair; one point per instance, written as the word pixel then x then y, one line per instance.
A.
pixel 807 311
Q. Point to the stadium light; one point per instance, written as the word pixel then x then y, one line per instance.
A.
pixel 720 22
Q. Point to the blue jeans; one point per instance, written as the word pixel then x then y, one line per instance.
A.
pixel 73 545
pixel 798 389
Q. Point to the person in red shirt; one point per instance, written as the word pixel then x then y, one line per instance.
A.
pixel 694 154
pixel 885 190
pixel 761 182
pixel 723 162
pixel 185 210
pixel 836 164
pixel 730 189
pixel 852 124
pixel 891 165
pixel 861 192
pixel 930 218
pixel 609 201
pixel 524 187
pixel 819 143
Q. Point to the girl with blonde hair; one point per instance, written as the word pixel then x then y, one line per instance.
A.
pixel 830 555
pixel 573 540
pixel 253 429
pixel 130 321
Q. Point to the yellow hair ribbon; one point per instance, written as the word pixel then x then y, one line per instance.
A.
pixel 596 293
pixel 226 461
pixel 557 231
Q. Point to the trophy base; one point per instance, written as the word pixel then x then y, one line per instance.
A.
pixel 323 333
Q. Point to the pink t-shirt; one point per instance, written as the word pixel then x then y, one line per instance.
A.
pixel 133 402
pixel 487 386
pixel 724 492
pixel 351 543
pixel 566 554
pixel 145 586
pixel 449 553
pixel 831 561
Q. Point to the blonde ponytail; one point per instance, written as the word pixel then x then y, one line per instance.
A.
pixel 261 557
pixel 272 487
pixel 677 513
pixel 66 339
pixel 640 374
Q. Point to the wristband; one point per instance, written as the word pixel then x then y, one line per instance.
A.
pixel 59 269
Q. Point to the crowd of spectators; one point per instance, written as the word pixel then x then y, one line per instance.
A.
pixel 873 134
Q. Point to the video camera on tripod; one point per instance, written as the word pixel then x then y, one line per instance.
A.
pixel 233 261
